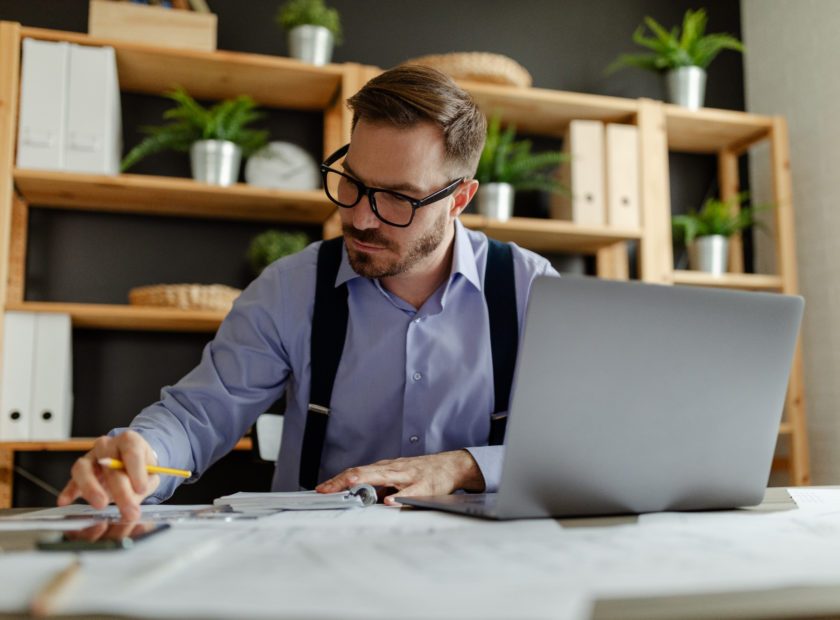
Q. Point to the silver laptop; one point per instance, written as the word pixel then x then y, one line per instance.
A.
pixel 632 398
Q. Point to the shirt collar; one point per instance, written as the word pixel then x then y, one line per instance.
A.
pixel 463 260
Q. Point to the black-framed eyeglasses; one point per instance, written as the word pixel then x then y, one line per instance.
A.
pixel 392 208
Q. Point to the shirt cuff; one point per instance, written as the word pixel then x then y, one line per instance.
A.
pixel 489 460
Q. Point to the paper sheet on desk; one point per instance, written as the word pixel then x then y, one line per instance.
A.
pixel 356 497
pixel 277 567
pixel 809 498
pixel 153 512
pixel 276 572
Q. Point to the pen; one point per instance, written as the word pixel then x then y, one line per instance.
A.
pixel 152 469
pixel 43 603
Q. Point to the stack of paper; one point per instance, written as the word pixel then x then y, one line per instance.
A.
pixel 356 497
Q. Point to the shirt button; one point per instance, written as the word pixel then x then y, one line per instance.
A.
pixel 417 376
pixel 417 320
pixel 414 439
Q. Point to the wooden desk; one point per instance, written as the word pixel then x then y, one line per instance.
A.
pixel 8 449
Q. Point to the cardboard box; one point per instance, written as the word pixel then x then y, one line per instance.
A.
pixel 152 24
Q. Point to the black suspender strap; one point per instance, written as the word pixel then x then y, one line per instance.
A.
pixel 329 330
pixel 500 293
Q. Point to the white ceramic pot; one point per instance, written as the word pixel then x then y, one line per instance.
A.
pixel 312 44
pixel 687 86
pixel 215 161
pixel 495 200
pixel 710 254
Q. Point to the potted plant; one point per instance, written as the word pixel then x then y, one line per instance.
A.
pixel 507 165
pixel 312 28
pixel 706 233
pixel 681 56
pixel 271 245
pixel 216 138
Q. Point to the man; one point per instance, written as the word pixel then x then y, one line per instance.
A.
pixel 413 393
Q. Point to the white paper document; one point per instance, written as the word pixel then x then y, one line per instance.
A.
pixel 807 498
pixel 355 497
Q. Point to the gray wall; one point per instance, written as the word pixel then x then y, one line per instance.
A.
pixel 793 72
pixel 97 257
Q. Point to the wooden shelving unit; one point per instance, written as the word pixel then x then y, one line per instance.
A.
pixel 550 235
pixel 78 444
pixel 289 84
pixel 125 317
pixel 742 281
pixel 548 112
pixel 170 196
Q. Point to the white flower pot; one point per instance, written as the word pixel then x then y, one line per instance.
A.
pixel 495 200
pixel 709 254
pixel 312 44
pixel 687 86
pixel 215 161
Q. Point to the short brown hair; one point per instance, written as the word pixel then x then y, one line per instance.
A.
pixel 410 94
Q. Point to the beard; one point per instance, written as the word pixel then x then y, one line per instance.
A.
pixel 372 266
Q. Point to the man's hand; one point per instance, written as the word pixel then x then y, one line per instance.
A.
pixel 101 486
pixel 435 474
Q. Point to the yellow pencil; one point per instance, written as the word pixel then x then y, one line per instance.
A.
pixel 43 603
pixel 152 469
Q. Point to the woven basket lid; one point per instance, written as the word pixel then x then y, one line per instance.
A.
pixel 477 67
pixel 185 296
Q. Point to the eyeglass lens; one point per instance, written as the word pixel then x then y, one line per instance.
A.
pixel 389 207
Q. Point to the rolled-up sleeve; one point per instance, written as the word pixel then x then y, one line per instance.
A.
pixel 243 370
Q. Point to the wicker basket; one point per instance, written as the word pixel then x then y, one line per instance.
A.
pixel 185 296
pixel 478 67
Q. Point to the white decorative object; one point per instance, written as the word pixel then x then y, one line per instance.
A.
pixel 283 165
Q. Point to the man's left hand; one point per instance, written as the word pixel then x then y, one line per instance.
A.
pixel 435 474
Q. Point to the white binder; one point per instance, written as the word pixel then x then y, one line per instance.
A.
pixel 18 367
pixel 42 105
pixel 52 381
pixel 93 139
pixel 623 199
pixel 583 176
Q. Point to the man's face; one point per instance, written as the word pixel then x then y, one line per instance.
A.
pixel 410 161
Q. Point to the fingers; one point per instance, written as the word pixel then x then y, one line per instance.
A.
pixel 390 473
pixel 85 477
pixel 99 486
pixel 135 458
pixel 124 496
pixel 69 494
pixel 414 490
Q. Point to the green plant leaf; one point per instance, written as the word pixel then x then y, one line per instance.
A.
pixel 717 217
pixel 507 160
pixel 310 12
pixel 226 120
pixel 272 245
pixel 689 46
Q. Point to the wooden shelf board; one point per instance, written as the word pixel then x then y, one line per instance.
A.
pixel 272 81
pixel 78 444
pixel 154 195
pixel 547 235
pixel 710 130
pixel 743 281
pixel 126 317
pixel 548 112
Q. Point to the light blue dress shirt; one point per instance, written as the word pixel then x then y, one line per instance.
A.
pixel 410 382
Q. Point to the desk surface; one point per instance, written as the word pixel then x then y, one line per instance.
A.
pixel 823 601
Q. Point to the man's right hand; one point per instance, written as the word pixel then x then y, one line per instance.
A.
pixel 100 486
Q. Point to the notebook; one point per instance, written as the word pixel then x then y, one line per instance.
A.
pixel 356 497
pixel 632 398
